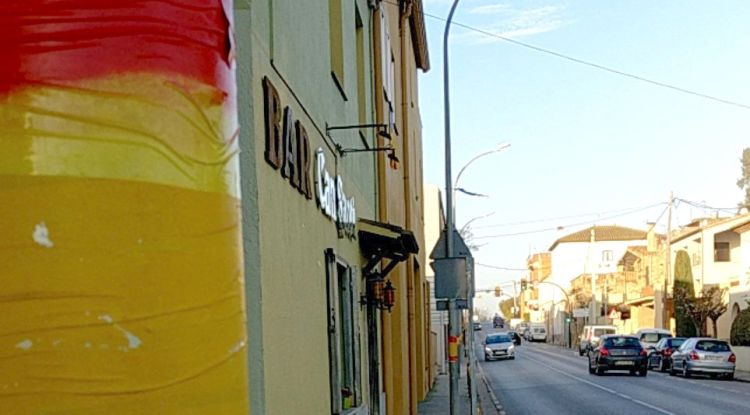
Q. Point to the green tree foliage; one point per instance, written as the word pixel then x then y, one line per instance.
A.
pixel 740 334
pixel 684 293
pixel 506 307
pixel 744 181
pixel 715 305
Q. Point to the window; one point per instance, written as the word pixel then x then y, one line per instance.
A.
pixel 602 332
pixel 388 70
pixel 696 259
pixel 607 256
pixel 336 41
pixel 361 68
pixel 712 346
pixel 721 252
pixel 343 335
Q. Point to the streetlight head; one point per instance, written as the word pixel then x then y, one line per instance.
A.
pixel 503 146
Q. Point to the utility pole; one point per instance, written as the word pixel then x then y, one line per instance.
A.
pixel 593 312
pixel 667 265
pixel 515 302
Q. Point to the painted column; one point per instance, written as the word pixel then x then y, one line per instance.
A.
pixel 121 287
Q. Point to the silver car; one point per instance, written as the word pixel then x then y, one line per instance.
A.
pixel 499 346
pixel 702 355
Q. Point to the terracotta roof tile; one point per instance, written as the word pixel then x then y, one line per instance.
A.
pixel 603 233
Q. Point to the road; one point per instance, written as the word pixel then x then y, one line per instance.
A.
pixel 545 379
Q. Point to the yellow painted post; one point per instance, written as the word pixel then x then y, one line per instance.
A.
pixel 121 286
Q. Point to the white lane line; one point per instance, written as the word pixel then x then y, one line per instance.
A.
pixel 596 385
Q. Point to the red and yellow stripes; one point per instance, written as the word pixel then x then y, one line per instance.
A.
pixel 121 285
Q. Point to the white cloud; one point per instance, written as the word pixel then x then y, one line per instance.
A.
pixel 490 9
pixel 517 23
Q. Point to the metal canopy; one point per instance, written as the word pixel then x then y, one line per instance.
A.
pixel 379 241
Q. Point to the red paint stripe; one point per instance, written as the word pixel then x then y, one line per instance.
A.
pixel 66 40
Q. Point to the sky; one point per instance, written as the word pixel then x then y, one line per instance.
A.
pixel 587 146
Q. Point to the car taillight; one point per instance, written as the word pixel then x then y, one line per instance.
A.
pixel 644 352
pixel 694 356
pixel 668 351
pixel 732 358
pixel 603 352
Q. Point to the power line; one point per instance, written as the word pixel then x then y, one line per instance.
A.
pixel 503 235
pixel 704 206
pixel 587 63
pixel 580 215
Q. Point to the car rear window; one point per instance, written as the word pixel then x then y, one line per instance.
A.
pixel 601 332
pixel 653 337
pixel 621 342
pixel 539 330
pixel 712 346
pixel 677 342
pixel 500 338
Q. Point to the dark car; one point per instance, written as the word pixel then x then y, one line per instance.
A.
pixel 477 326
pixel 516 337
pixel 618 352
pixel 661 356
pixel 498 322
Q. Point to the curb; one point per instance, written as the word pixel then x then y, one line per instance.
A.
pixel 495 401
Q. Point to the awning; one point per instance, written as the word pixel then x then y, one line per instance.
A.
pixel 379 241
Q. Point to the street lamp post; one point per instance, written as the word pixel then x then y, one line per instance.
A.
pixel 453 321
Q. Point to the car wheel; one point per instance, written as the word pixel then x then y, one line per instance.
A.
pixel 712 375
pixel 685 371
pixel 662 366
pixel 591 368
pixel 599 371
pixel 643 372
pixel 730 376
pixel 512 358
pixel 486 358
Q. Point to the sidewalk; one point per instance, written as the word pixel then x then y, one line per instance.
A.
pixel 742 376
pixel 437 401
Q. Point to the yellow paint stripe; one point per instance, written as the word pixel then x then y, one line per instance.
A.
pixel 139 127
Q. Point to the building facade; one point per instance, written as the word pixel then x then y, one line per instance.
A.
pixel 338 316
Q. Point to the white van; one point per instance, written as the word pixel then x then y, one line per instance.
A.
pixel 649 337
pixel 537 334
pixel 590 337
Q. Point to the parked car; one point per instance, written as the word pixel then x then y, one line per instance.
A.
pixel 499 346
pixel 477 326
pixel 618 352
pixel 705 356
pixel 522 327
pixel 649 337
pixel 661 356
pixel 590 337
pixel 537 334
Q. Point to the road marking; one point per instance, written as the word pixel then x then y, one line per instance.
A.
pixel 596 385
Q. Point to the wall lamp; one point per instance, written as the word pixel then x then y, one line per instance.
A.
pixel 380 294
pixel 382 129
pixel 390 152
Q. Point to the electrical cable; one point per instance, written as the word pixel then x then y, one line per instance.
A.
pixel 587 63
pixel 503 235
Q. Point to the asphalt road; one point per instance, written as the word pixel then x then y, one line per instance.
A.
pixel 545 379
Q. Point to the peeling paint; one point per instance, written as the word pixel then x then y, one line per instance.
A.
pixel 237 347
pixel 56 342
pixel 134 341
pixel 41 235
pixel 25 344
pixel 87 345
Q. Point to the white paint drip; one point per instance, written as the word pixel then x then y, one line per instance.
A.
pixel 25 344
pixel 41 235
pixel 56 342
pixel 133 341
pixel 87 345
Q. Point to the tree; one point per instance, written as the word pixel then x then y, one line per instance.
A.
pixel 715 303
pixel 684 293
pixel 468 237
pixel 710 305
pixel 506 307
pixel 744 181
